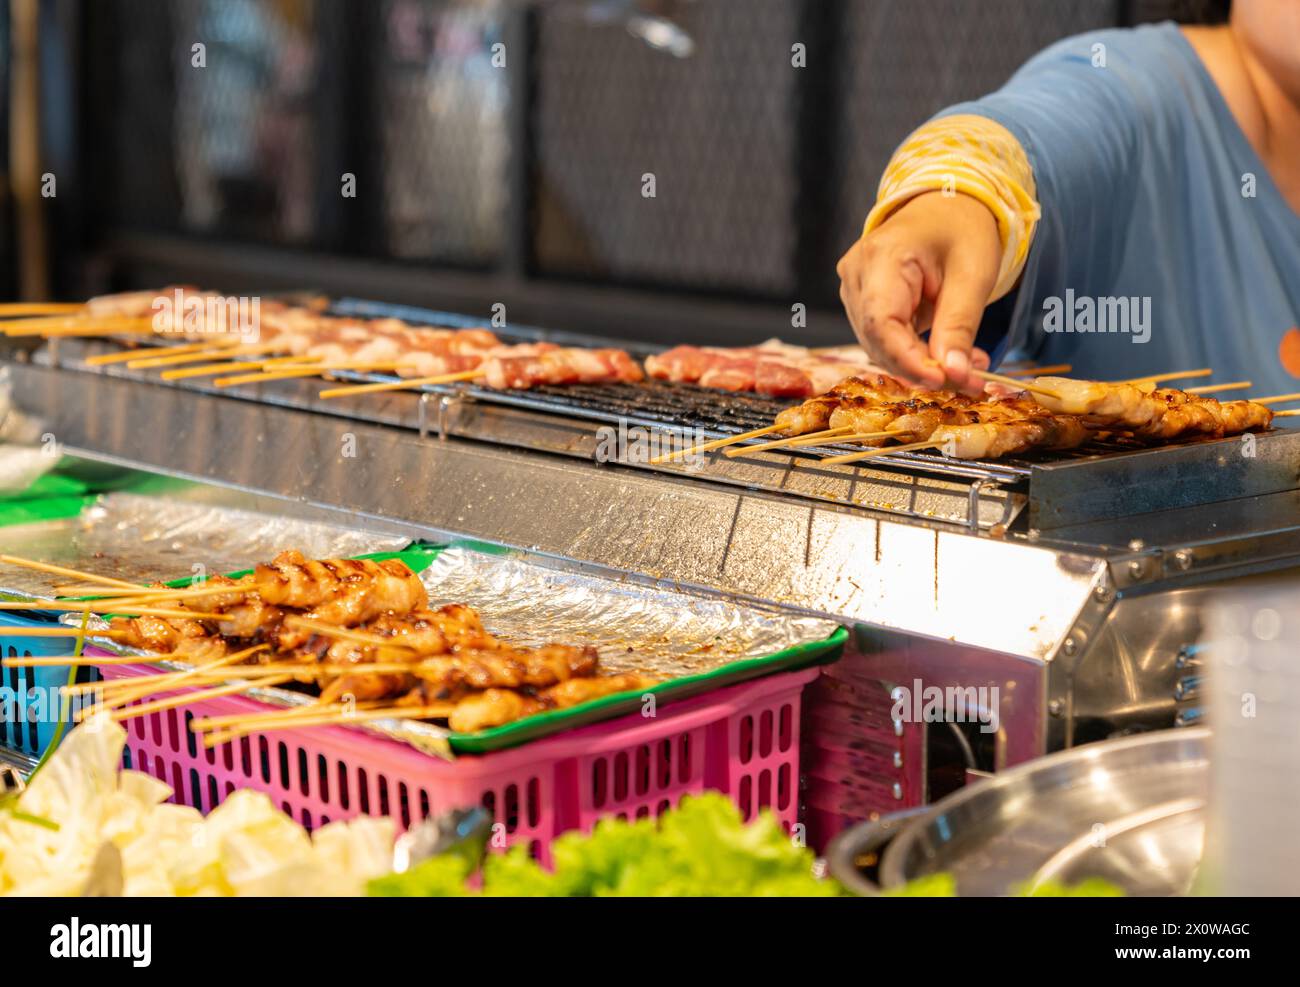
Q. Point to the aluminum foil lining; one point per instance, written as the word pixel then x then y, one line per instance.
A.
pixel 143 539
pixel 635 627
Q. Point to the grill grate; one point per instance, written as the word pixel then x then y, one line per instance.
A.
pixel 687 407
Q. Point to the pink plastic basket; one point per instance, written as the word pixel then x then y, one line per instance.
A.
pixel 742 740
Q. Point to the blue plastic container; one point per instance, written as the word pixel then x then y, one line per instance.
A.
pixel 30 696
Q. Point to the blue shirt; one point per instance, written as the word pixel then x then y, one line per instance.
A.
pixel 1150 192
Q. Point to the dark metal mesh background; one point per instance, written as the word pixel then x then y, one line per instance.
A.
pixel 440 106
pixel 713 128
pixel 763 172
pixel 295 95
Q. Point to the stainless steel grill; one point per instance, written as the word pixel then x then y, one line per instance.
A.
pixel 1037 492
pixel 1069 582
pixel 1104 479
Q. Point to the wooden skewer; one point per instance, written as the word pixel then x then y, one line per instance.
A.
pixel 846 435
pixel 39 325
pixel 83 589
pixel 330 630
pixel 127 356
pixel 1213 388
pixel 314 370
pixel 1179 375
pixel 105 328
pixel 63 607
pixel 263 377
pixel 1021 385
pixel 207 350
pixel 853 457
pixel 40 308
pixel 128 694
pixel 1287 414
pixel 341 718
pixel 1051 369
pixel 163 680
pixel 122 596
pixel 398 385
pixel 203 724
pixel 187 698
pixel 1274 398
pixel 44 661
pixel 715 444
pixel 791 440
pixel 212 369
pixel 56 632
pixel 349 365
pixel 59 570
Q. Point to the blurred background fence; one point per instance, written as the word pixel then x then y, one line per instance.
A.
pixel 458 153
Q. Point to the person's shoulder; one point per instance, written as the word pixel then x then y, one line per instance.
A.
pixel 1148 49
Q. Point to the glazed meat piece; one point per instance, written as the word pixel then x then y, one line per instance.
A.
pixel 345 592
pixel 495 707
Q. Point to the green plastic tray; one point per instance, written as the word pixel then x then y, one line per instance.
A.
pixel 420 556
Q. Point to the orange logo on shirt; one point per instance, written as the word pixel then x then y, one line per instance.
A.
pixel 1288 351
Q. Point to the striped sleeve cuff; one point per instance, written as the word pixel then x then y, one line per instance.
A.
pixel 975 156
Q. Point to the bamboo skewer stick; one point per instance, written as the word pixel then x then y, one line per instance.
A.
pixel 399 385
pixel 288 373
pixel 59 570
pixel 715 444
pixel 40 308
pixel 45 661
pixel 1051 369
pixel 330 630
pixel 206 351
pixel 1021 385
pixel 191 697
pixel 124 611
pixel 791 440
pixel 117 596
pixel 1177 375
pixel 99 328
pixel 1213 388
pixel 83 589
pixel 38 325
pixel 56 632
pixel 140 352
pixel 341 718
pixel 853 457
pixel 163 680
pixel 831 436
pixel 206 723
pixel 1275 398
pixel 212 369
pixel 179 678
pixel 1287 414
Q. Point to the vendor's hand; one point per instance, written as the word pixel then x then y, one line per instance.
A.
pixel 931 265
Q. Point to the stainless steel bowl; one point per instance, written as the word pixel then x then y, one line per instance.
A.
pixel 1129 811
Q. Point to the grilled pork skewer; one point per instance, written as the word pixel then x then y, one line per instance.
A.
pixel 814 415
pixel 1159 414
